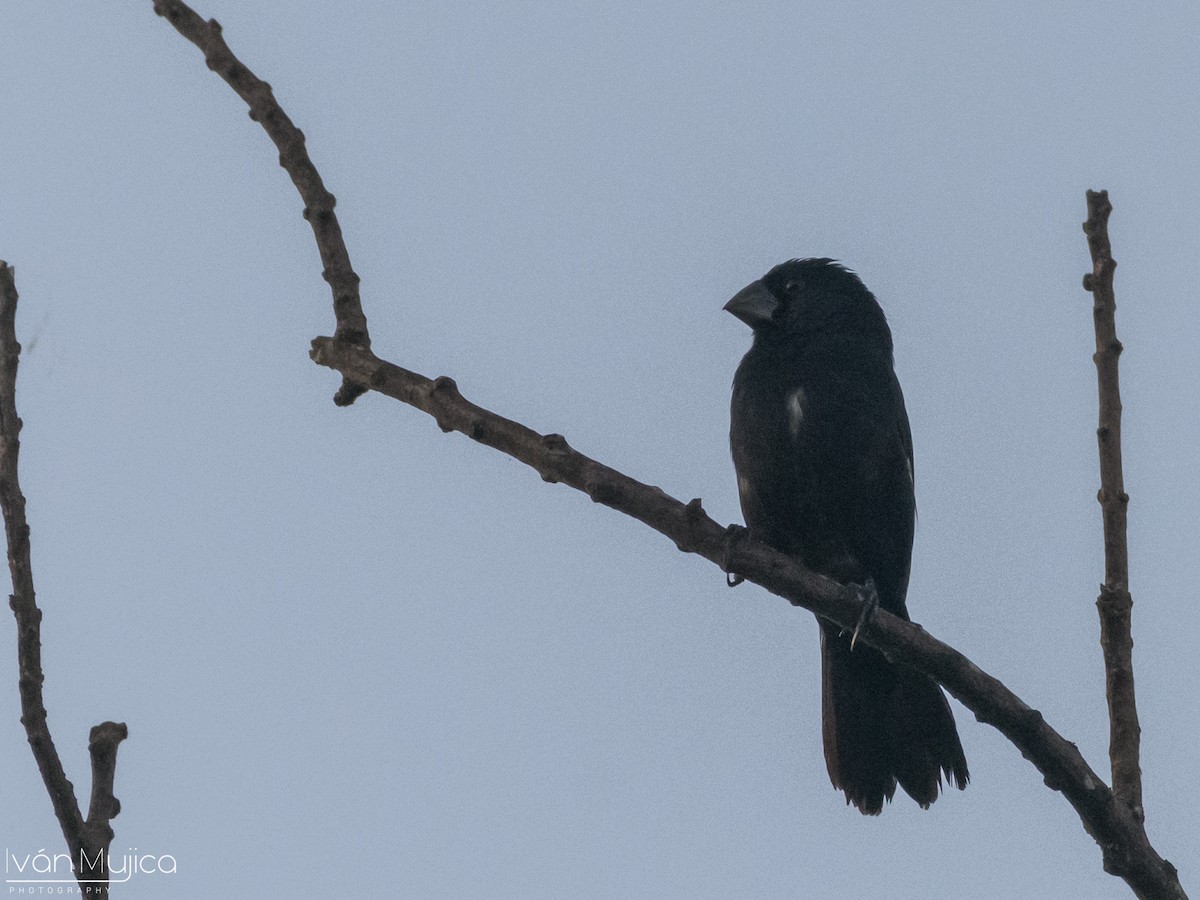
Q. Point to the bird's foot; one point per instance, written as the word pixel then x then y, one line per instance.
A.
pixel 733 534
pixel 869 595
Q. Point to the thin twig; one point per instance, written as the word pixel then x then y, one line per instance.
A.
pixel 1126 849
pixel 88 840
pixel 1115 602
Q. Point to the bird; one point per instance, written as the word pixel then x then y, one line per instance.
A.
pixel 824 460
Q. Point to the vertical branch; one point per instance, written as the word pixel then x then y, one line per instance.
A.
pixel 1115 603
pixel 88 840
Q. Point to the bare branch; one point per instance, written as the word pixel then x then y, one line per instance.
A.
pixel 293 157
pixel 87 840
pixel 1115 602
pixel 1126 849
pixel 23 601
pixel 102 745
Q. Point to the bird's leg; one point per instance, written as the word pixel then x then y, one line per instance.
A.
pixel 733 534
pixel 869 595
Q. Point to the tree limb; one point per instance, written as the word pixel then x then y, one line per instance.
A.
pixel 1115 603
pixel 88 840
pixel 1127 851
pixel 293 157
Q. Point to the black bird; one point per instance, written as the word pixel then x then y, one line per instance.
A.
pixel 824 461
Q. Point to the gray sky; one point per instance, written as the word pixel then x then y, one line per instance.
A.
pixel 363 656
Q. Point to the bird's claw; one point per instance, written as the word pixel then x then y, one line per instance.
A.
pixel 733 534
pixel 869 595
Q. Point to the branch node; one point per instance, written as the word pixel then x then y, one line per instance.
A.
pixel 348 392
pixel 319 350
pixel 347 276
pixel 603 492
pixel 1115 600
pixel 693 515
pixel 557 447
pixel 443 384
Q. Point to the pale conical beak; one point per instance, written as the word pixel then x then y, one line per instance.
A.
pixel 753 304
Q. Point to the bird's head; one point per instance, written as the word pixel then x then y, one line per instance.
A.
pixel 804 298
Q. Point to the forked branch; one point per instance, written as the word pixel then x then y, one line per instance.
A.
pixel 1127 852
pixel 88 840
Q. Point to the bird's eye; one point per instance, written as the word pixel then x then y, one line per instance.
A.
pixel 793 285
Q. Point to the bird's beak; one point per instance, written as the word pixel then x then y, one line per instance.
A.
pixel 753 304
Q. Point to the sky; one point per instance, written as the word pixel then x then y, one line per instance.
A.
pixel 359 656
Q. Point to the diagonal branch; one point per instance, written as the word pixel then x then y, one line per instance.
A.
pixel 88 840
pixel 1115 603
pixel 1126 849
pixel 293 157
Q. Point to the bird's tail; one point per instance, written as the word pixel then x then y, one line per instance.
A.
pixel 884 724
